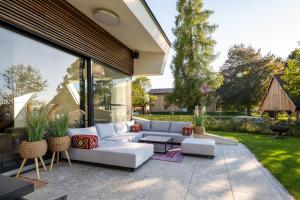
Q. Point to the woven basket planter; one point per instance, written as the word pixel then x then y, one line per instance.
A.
pixel 199 130
pixel 30 150
pixel 57 144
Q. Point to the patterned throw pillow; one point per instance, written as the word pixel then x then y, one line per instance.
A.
pixel 187 130
pixel 84 141
pixel 136 128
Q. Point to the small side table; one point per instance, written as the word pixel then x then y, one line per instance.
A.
pixel 57 158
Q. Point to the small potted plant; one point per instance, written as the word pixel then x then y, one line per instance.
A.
pixel 36 125
pixel 59 139
pixel 199 128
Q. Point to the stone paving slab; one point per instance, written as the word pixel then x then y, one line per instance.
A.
pixel 234 174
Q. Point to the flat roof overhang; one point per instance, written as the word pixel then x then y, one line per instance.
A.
pixel 138 30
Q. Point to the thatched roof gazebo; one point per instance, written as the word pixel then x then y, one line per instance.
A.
pixel 278 99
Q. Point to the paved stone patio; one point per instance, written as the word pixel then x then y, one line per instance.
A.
pixel 233 174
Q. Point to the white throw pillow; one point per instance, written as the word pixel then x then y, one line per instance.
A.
pixel 106 130
pixel 129 124
pixel 120 127
pixel 83 131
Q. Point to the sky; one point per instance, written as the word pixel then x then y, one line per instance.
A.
pixel 270 25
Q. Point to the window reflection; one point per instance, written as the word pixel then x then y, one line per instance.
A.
pixel 32 72
pixel 112 94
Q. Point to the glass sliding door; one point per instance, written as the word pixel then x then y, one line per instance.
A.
pixel 112 94
pixel 35 73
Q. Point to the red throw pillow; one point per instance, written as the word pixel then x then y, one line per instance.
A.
pixel 84 141
pixel 187 131
pixel 136 128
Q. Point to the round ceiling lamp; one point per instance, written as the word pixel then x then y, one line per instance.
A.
pixel 106 17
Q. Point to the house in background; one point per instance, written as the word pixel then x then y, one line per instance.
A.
pixel 80 55
pixel 159 105
pixel 277 99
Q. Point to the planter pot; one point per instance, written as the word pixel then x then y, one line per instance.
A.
pixel 199 130
pixel 57 144
pixel 30 150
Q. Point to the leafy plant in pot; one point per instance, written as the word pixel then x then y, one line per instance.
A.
pixel 36 125
pixel 35 146
pixel 59 139
pixel 199 128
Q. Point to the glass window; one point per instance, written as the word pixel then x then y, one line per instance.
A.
pixel 112 94
pixel 32 72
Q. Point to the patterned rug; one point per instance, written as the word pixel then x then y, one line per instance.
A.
pixel 36 183
pixel 173 155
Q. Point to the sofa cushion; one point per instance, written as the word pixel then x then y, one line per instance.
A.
pixel 129 124
pixel 176 127
pixel 198 146
pixel 187 130
pixel 161 126
pixel 120 127
pixel 123 154
pixel 85 141
pixel 145 124
pixel 135 128
pixel 119 138
pixel 83 131
pixel 105 130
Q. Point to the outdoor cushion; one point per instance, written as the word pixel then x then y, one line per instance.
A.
pixel 176 127
pixel 187 130
pixel 120 127
pixel 145 124
pixel 105 130
pixel 135 128
pixel 83 131
pixel 161 126
pixel 119 138
pixel 129 124
pixel 123 154
pixel 198 146
pixel 125 137
pixel 85 141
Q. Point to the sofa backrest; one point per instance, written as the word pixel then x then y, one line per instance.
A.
pixel 120 127
pixel 105 130
pixel 176 127
pixel 160 126
pixel 83 131
pixel 146 124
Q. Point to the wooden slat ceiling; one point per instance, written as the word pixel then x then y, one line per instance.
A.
pixel 59 22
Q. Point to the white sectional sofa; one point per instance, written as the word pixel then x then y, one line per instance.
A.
pixel 119 147
pixel 164 128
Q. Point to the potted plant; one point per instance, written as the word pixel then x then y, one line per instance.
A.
pixel 59 139
pixel 36 125
pixel 199 128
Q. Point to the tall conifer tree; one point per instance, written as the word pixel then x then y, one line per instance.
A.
pixel 194 53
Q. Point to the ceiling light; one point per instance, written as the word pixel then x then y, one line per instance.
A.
pixel 106 17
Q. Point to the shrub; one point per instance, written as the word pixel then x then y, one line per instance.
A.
pixel 224 123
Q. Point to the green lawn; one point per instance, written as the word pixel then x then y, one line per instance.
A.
pixel 281 157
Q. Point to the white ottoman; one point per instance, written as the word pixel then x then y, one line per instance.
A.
pixel 201 147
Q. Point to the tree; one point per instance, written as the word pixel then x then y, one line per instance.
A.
pixel 20 80
pixel 194 53
pixel 247 75
pixel 140 93
pixel 292 73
